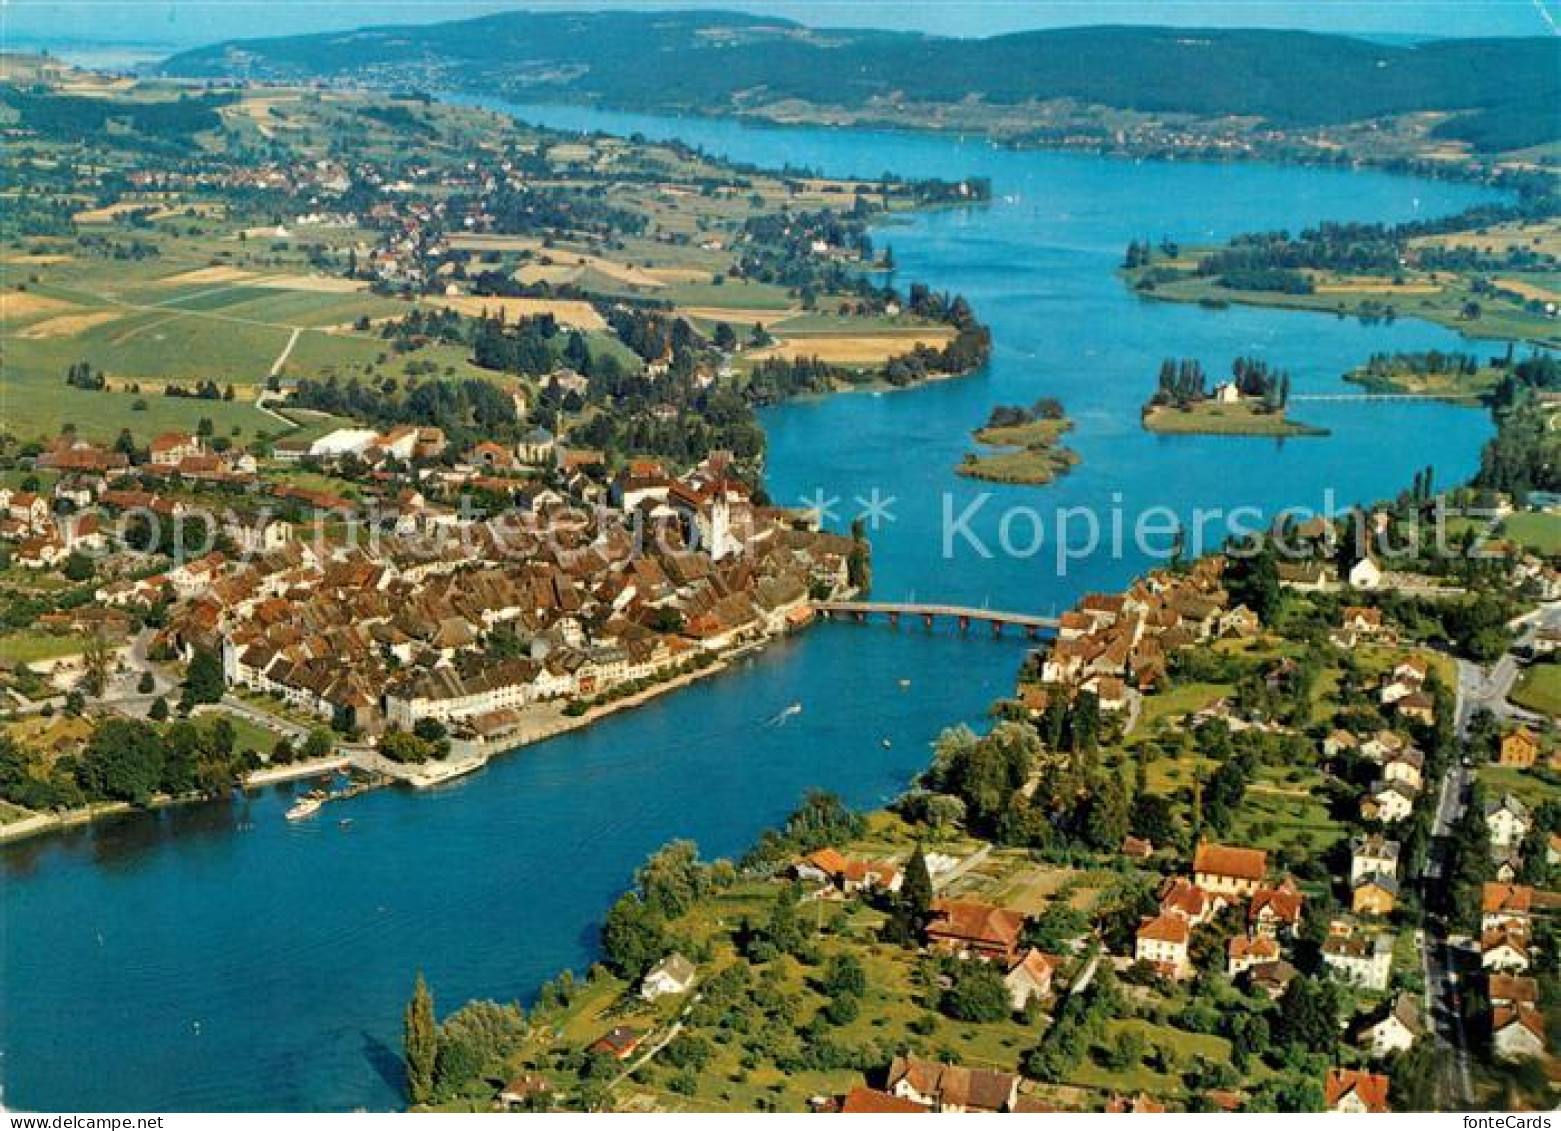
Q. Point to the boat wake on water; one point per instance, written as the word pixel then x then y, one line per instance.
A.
pixel 781 719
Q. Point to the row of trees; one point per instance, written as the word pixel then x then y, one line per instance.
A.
pixel 1183 382
pixel 127 760
pixel 443 1060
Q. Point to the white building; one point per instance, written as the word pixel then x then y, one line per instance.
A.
pixel 1360 960
pixel 344 441
pixel 1508 820
pixel 1397 1031
pixel 1373 855
pixel 1365 574
pixel 674 974
pixel 1518 1032
pixel 261 535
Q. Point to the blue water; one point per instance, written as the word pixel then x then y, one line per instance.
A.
pixel 217 957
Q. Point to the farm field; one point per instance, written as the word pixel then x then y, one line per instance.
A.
pixel 853 349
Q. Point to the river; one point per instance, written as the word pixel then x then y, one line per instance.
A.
pixel 218 957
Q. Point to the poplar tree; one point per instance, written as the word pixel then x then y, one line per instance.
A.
pixel 917 889
pixel 421 1043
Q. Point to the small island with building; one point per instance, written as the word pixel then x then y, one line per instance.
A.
pixel 1252 403
pixel 1023 445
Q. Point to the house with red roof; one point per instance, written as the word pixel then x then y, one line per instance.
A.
pixel 869 1101
pixel 1518 1032
pixel 1162 942
pixel 1350 1090
pixel 970 929
pixel 1225 870
pixel 1276 910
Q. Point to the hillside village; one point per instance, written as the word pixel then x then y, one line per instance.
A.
pixel 406 608
pixel 331 442
pixel 1204 860
pixel 367 470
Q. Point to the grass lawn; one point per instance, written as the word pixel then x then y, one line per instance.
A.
pixel 1032 887
pixel 1539 689
pixel 247 735
pixel 1021 453
pixel 729 296
pixel 30 647
pixel 1182 699
pixel 1030 467
pixel 1500 317
pixel 1538 530
pixel 1210 418
pixel 1405 380
pixel 1091 1073
pixel 35 403
pixel 1533 787
pixel 1274 816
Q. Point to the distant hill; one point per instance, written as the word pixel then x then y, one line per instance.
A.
pixel 1504 91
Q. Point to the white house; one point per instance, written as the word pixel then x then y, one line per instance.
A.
pixel 1364 574
pixel 1243 952
pixel 259 535
pixel 1508 820
pixel 1517 1032
pixel 1505 905
pixel 1504 951
pixel 344 441
pixel 1030 979
pixel 1388 802
pixel 1397 1031
pixel 1405 767
pixel 1162 942
pixel 674 974
pixel 1372 855
pixel 1360 960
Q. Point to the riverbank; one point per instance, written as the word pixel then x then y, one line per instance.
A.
pixel 1462 302
pixel 36 824
pixel 555 720
pixel 1402 376
pixel 431 879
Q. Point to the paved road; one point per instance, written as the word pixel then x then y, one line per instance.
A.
pixel 1478 688
pixel 1437 958
pixel 274 723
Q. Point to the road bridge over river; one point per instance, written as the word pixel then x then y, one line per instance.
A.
pixel 962 615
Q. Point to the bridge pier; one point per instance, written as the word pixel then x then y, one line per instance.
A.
pixel 964 624
pixel 861 618
pixel 894 620
pixel 997 628
pixel 926 621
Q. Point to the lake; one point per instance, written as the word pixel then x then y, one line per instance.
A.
pixel 219 957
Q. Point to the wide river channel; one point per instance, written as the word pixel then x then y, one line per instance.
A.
pixel 218 957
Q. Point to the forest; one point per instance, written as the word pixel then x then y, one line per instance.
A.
pixel 715 61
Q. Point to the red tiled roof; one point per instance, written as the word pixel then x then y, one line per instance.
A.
pixel 968 921
pixel 1239 863
pixel 1513 898
pixel 870 1101
pixel 1369 1086
pixel 1165 928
